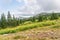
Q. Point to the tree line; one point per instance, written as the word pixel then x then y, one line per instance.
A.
pixel 9 21
pixel 44 17
pixel 13 21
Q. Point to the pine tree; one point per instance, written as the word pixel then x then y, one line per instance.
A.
pixel 18 21
pixel 40 18
pixel 54 16
pixel 3 21
pixel 9 19
pixel 14 23
pixel 33 19
pixel 45 17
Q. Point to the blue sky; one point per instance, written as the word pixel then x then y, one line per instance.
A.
pixel 28 7
pixel 10 5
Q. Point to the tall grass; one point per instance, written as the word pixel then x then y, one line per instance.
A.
pixel 27 26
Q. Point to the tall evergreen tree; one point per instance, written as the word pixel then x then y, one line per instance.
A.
pixel 33 19
pixel 18 21
pixel 3 21
pixel 21 21
pixel 40 18
pixel 54 16
pixel 9 19
pixel 45 17
pixel 14 21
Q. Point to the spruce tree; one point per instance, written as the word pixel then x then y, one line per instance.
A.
pixel 33 19
pixel 21 21
pixel 14 23
pixel 40 18
pixel 3 21
pixel 54 16
pixel 9 19
pixel 17 21
pixel 45 17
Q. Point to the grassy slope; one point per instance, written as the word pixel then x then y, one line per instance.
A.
pixel 27 26
pixel 48 30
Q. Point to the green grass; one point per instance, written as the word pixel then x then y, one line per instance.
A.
pixel 55 26
pixel 26 27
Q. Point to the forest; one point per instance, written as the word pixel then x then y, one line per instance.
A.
pixel 43 26
pixel 14 21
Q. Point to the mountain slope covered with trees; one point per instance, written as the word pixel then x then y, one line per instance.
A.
pixel 45 25
pixel 14 21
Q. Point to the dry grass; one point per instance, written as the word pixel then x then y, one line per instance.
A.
pixel 48 32
pixel 40 33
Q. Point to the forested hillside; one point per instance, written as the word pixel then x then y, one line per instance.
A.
pixel 43 26
pixel 14 21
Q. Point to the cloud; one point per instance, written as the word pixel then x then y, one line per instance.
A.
pixel 32 7
pixel 29 8
pixel 57 4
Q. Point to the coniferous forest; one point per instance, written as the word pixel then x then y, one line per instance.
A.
pixel 14 21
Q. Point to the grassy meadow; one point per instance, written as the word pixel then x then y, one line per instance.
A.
pixel 41 27
pixel 46 30
pixel 27 26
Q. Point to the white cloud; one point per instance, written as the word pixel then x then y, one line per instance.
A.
pixel 31 7
pixel 57 4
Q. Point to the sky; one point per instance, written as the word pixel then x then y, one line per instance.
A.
pixel 27 8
